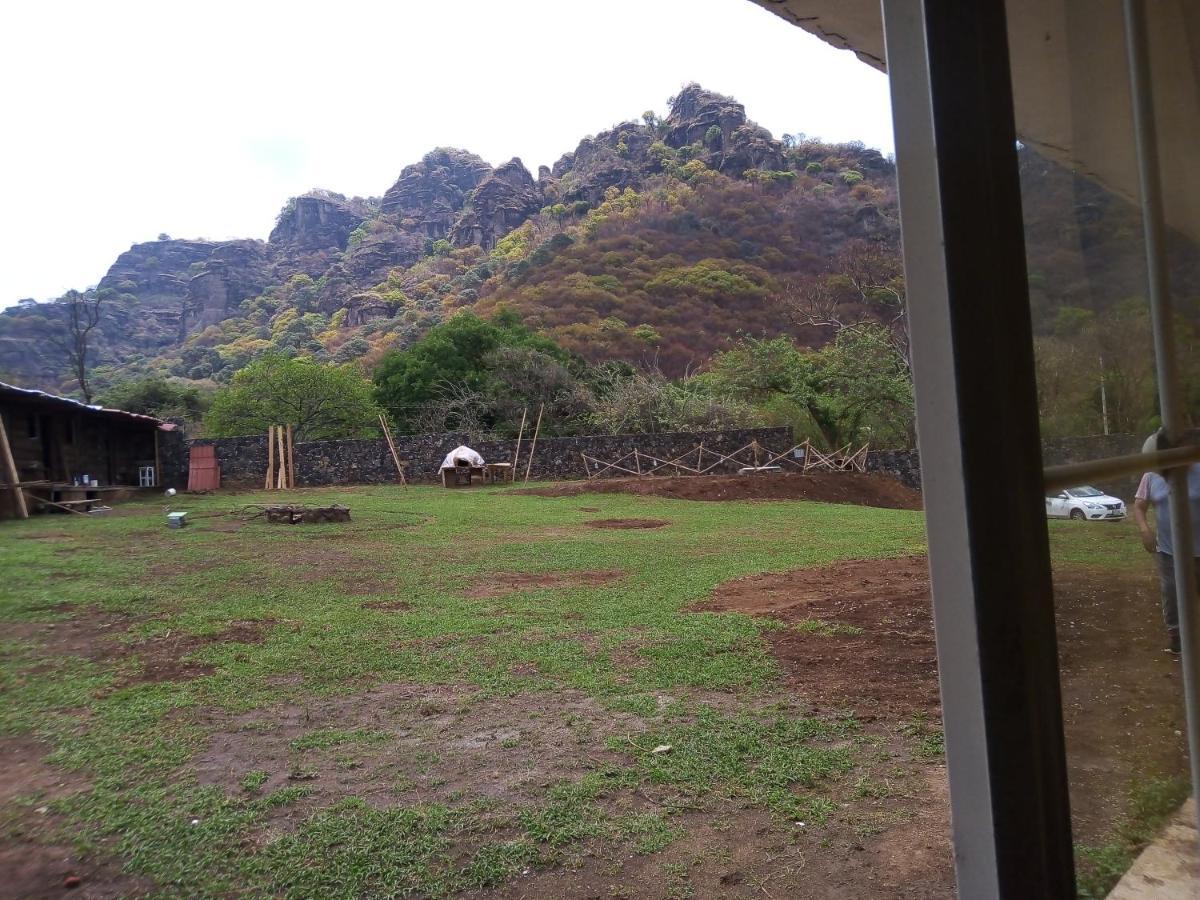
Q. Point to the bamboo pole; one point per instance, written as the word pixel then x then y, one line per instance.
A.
pixel 533 446
pixel 282 459
pixel 517 454
pixel 270 457
pixel 10 469
pixel 586 469
pixel 291 457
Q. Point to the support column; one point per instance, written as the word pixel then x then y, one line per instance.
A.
pixel 981 466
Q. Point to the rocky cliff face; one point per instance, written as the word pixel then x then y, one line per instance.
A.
pixel 318 220
pixel 234 271
pixel 502 202
pixel 381 260
pixel 429 195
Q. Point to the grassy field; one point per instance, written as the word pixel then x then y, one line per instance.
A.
pixel 432 699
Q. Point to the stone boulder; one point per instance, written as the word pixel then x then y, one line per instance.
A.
pixel 503 200
pixel 316 221
pixel 429 195
pixel 366 307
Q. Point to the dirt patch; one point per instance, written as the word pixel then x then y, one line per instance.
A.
pixel 627 523
pixel 502 583
pixel 897 847
pixel 1122 707
pixel 35 870
pixel 32 865
pixel 163 658
pixel 25 773
pixel 388 605
pixel 860 489
pixel 856 633
pixel 589 509
pixel 96 635
pixel 413 744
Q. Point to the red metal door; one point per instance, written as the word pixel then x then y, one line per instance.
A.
pixel 204 472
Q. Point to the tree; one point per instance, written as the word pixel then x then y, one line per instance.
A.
pixel 453 368
pixel 323 401
pixel 80 316
pixel 156 397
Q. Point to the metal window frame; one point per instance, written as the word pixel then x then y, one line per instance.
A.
pixel 977 423
pixel 977 426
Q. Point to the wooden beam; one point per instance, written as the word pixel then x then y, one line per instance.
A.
pixel 10 470
pixel 270 456
pixel 291 457
pixel 387 433
pixel 533 446
pixel 282 479
pixel 520 434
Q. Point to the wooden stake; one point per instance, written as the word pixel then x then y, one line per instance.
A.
pixel 517 453
pixel 586 471
pixel 10 470
pixel 291 457
pixel 533 446
pixel 637 461
pixel 387 433
pixel 270 457
pixel 282 459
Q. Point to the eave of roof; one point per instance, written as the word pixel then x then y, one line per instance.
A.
pixel 76 405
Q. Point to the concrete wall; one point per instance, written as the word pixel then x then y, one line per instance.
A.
pixel 244 460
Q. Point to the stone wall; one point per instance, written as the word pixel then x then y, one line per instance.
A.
pixel 905 465
pixel 244 460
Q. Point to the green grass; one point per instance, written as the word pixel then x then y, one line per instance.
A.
pixel 1151 804
pixel 625 645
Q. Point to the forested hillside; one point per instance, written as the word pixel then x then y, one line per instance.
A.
pixel 677 247
pixel 658 240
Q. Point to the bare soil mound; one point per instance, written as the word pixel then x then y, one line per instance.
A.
pixel 860 489
pixel 857 633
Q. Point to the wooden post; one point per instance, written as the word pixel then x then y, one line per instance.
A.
pixel 517 453
pixel 586 470
pixel 533 446
pixel 282 458
pixel 270 457
pixel 637 461
pixel 10 470
pixel 387 433
pixel 157 462
pixel 291 448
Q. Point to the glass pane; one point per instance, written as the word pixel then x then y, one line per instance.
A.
pixel 1098 397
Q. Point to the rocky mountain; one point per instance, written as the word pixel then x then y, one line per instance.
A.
pixel 346 278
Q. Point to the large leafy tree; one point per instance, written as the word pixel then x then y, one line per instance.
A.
pixel 471 373
pixel 156 397
pixel 856 389
pixel 321 400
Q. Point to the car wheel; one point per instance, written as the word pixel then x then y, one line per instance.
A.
pixel 1078 515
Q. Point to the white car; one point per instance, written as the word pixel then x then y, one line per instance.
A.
pixel 1084 503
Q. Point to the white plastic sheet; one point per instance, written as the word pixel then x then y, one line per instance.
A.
pixel 462 453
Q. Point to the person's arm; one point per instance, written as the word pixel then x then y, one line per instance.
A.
pixel 1141 503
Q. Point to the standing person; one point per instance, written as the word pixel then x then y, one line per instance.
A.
pixel 1154 491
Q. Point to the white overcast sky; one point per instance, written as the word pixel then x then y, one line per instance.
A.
pixel 126 119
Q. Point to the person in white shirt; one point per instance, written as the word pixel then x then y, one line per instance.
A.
pixel 1154 491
